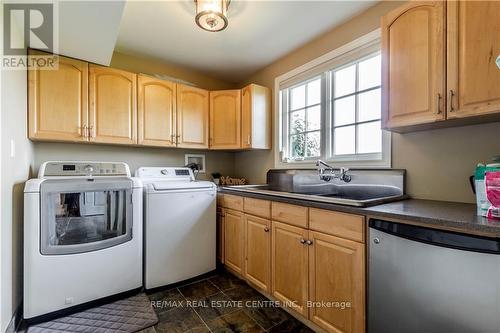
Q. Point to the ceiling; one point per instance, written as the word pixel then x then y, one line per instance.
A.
pixel 259 33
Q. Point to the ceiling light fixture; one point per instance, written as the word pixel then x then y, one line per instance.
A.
pixel 211 15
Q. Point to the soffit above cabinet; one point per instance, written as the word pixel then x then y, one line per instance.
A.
pixel 88 30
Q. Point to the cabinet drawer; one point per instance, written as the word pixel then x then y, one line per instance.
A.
pixel 233 201
pixel 291 214
pixel 339 224
pixel 257 207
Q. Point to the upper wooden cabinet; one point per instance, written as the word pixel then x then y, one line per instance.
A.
pixel 418 39
pixel 112 95
pixel 413 64
pixel 473 79
pixel 192 117
pixel 156 110
pixel 58 101
pixel 82 102
pixel 255 117
pixel 225 119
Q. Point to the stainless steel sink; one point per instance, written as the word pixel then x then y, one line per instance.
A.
pixel 368 187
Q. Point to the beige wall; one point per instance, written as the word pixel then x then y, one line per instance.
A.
pixel 222 162
pixel 153 66
pixel 438 162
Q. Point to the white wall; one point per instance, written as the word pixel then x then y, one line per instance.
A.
pixel 14 171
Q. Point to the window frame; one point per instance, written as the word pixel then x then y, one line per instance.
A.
pixel 353 52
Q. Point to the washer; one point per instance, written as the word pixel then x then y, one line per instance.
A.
pixel 82 235
pixel 179 225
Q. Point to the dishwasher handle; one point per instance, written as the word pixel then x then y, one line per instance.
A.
pixel 448 239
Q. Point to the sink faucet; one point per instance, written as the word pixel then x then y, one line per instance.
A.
pixel 327 173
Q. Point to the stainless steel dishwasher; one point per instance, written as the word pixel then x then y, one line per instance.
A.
pixel 426 280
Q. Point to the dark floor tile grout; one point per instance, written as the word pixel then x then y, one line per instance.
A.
pixel 203 321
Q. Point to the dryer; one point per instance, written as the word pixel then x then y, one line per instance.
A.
pixel 82 235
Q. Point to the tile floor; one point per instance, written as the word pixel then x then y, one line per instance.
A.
pixel 221 303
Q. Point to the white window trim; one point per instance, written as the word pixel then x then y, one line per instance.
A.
pixel 384 162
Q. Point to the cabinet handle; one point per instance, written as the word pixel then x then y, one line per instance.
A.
pixel 302 241
pixel 91 131
pixel 84 131
pixel 172 138
pixel 248 139
pixel 438 104
pixel 452 93
pixel 309 242
pixel 266 229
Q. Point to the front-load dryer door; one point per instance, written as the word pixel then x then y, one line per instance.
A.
pixel 84 215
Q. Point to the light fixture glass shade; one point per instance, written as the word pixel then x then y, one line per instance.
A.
pixel 211 15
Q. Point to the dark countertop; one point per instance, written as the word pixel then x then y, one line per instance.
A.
pixel 454 216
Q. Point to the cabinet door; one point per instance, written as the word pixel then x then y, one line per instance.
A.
pixel 220 235
pixel 473 47
pixel 234 246
pixel 192 117
pixel 112 95
pixel 156 112
pixel 225 119
pixel 413 64
pixel 337 274
pixel 255 117
pixel 290 266
pixel 258 252
pixel 58 101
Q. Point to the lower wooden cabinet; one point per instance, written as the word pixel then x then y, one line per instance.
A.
pixel 289 266
pixel 336 283
pixel 319 273
pixel 258 252
pixel 234 245
pixel 220 235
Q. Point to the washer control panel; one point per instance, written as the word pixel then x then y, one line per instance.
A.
pixel 84 169
pixel 165 173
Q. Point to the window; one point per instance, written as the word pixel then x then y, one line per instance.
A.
pixel 356 108
pixel 332 110
pixel 305 120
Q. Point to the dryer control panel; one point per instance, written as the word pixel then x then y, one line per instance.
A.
pixel 83 168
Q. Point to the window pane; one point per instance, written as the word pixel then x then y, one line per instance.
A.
pixel 313 144
pixel 297 145
pixel 345 111
pixel 369 73
pixel 314 118
pixel 297 122
pixel 369 105
pixel 298 97
pixel 345 81
pixel 369 138
pixel 344 140
pixel 314 92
